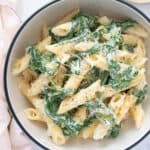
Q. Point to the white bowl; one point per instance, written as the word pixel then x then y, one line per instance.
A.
pixel 30 33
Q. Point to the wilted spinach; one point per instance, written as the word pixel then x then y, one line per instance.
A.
pixel 140 94
pixel 93 75
pixel 115 40
pixel 121 80
pixel 128 47
pixel 46 63
pixel 74 65
pixel 114 131
pixel 53 98
pixel 123 24
pixel 101 112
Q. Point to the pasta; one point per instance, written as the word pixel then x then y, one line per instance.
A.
pixel 59 77
pixel 62 29
pixel 80 98
pixel 74 81
pixel 80 115
pixel 121 105
pixel 45 32
pixel 62 51
pixel 41 45
pixel 33 114
pixel 89 131
pixel 100 131
pixel 21 64
pixel 38 85
pixel 85 76
pixel 138 31
pixel 137 113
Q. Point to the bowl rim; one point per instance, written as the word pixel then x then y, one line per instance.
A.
pixel 7 60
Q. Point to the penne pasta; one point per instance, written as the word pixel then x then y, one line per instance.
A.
pixel 137 30
pixel 38 85
pixel 89 131
pixel 80 98
pixel 33 114
pixel 42 44
pixel 21 64
pixel 137 113
pixel 45 32
pixel 74 81
pixel 80 115
pixel 63 29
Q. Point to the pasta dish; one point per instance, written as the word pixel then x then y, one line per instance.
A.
pixel 85 76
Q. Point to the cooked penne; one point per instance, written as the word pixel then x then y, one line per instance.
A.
pixel 28 75
pixel 83 46
pixel 42 44
pixel 130 39
pixel 62 29
pixel 74 81
pixel 137 30
pixel 80 115
pixel 104 20
pixel 62 51
pixel 137 113
pixel 89 131
pixel 33 114
pixel 58 79
pixel 38 85
pixel 80 98
pixel 45 32
pixel 100 131
pixel 121 105
pixel 21 64
pixel 55 133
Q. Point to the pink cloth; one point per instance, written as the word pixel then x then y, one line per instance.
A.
pixel 11 137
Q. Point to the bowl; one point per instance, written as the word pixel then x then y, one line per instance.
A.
pixel 29 33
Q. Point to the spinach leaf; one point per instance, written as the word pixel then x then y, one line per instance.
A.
pixel 123 24
pixel 93 75
pixel 46 62
pixel 86 23
pixel 128 47
pixel 121 80
pixel 140 94
pixel 114 132
pixel 127 24
pixel 115 40
pixel 101 112
pixel 74 65
pixel 114 68
pixel 65 122
pixel 53 98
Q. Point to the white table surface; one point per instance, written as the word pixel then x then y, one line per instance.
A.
pixel 26 7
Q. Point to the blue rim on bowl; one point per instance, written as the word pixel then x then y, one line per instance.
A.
pixel 7 60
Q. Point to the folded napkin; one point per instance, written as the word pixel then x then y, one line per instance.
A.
pixel 11 137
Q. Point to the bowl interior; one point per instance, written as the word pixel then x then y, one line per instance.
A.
pixel 30 33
